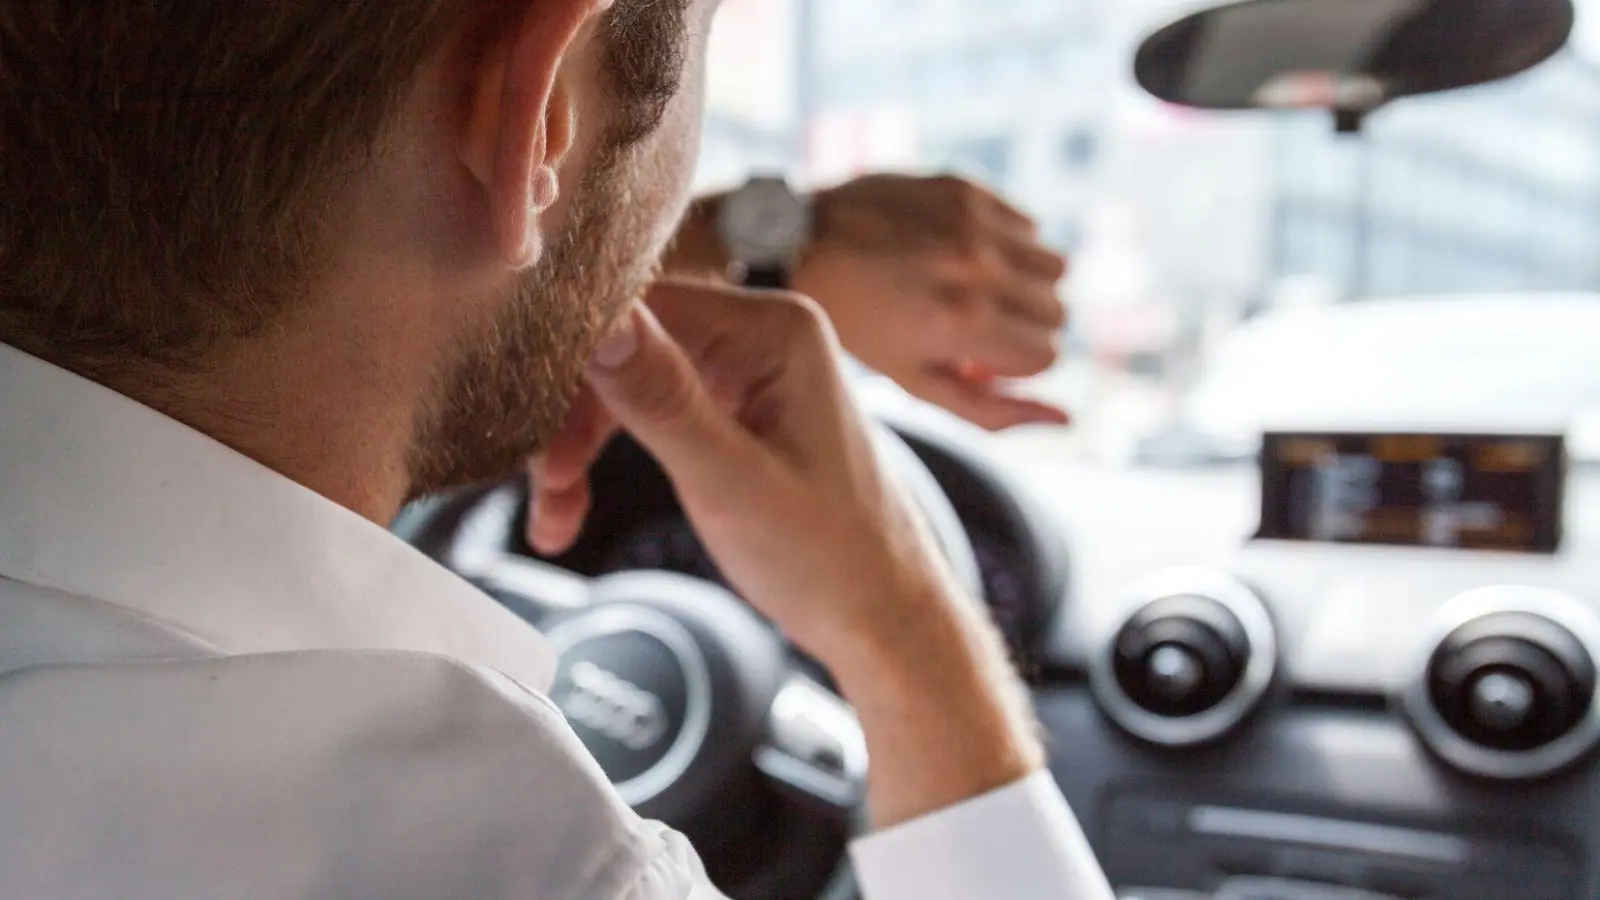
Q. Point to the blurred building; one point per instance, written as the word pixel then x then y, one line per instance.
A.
pixel 1164 212
pixel 1008 91
pixel 1177 221
pixel 753 92
pixel 1492 188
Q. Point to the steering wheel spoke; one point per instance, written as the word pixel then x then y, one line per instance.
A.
pixel 814 751
pixel 532 589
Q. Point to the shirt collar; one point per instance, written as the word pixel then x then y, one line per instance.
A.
pixel 105 498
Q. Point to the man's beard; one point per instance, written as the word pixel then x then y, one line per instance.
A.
pixel 509 389
pixel 508 392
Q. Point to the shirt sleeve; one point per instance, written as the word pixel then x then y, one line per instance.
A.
pixel 671 871
pixel 1021 842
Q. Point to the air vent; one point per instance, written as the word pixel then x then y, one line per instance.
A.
pixel 1191 659
pixel 1504 687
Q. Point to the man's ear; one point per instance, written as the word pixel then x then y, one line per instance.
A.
pixel 522 117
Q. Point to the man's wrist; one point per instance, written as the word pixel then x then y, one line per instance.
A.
pixel 698 250
pixel 939 703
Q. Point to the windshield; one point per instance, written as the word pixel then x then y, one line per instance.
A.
pixel 1229 271
pixel 1517 363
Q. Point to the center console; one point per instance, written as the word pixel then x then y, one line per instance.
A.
pixel 1386 691
pixel 1209 777
pixel 1314 803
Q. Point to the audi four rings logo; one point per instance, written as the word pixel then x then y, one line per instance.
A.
pixel 620 710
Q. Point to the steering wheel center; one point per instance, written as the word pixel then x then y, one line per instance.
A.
pixel 636 688
pixel 646 671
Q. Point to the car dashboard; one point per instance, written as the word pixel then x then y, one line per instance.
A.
pixel 1368 766
pixel 1244 719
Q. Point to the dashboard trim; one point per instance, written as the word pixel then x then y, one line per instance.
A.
pixel 1361 837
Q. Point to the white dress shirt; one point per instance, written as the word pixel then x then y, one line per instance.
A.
pixel 217 683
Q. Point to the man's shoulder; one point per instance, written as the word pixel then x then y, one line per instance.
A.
pixel 45 626
pixel 381 694
pixel 376 774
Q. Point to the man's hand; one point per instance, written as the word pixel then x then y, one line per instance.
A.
pixel 942 286
pixel 935 282
pixel 740 398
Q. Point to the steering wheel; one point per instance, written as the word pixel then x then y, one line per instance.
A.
pixel 696 708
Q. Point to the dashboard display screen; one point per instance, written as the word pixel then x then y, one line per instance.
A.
pixel 1481 492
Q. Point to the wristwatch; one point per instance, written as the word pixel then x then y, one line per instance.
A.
pixel 764 225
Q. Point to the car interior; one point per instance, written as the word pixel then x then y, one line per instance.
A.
pixel 1326 651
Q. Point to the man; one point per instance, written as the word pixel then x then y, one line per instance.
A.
pixel 267 270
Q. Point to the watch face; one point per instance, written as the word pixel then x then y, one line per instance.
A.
pixel 765 222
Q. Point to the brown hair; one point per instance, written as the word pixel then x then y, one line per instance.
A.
pixel 168 167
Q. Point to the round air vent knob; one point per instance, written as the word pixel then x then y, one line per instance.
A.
pixel 1501 703
pixel 1174 675
pixel 1507 686
pixel 1181 655
pixel 1191 659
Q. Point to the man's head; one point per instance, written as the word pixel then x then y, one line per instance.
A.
pixel 432 204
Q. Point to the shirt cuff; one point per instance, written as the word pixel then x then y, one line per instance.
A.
pixel 1020 842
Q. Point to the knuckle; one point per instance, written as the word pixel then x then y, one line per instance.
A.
pixel 969 247
pixel 799 316
pixel 957 185
pixel 662 394
pixel 1058 265
pixel 1041 357
pixel 960 301
pixel 962 194
pixel 1056 315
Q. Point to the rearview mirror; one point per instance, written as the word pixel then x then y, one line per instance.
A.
pixel 1346 56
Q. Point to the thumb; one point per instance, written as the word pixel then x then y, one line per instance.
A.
pixel 654 391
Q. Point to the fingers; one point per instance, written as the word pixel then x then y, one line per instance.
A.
pixel 1034 305
pixel 766 359
pixel 711 382
pixel 1033 261
pixel 984 207
pixel 559 500
pixel 556 516
pixel 1010 310
pixel 652 388
pixel 1008 266
pixel 589 428
pixel 1003 412
pixel 982 402
pixel 1025 275
pixel 951 275
pixel 1004 344
pixel 1010 219
pixel 696 316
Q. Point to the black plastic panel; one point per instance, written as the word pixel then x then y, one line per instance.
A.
pixel 1357 777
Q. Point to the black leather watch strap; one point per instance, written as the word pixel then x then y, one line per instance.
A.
pixel 772 276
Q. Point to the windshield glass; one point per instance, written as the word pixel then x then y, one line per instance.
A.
pixel 1228 271
pixel 1506 363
